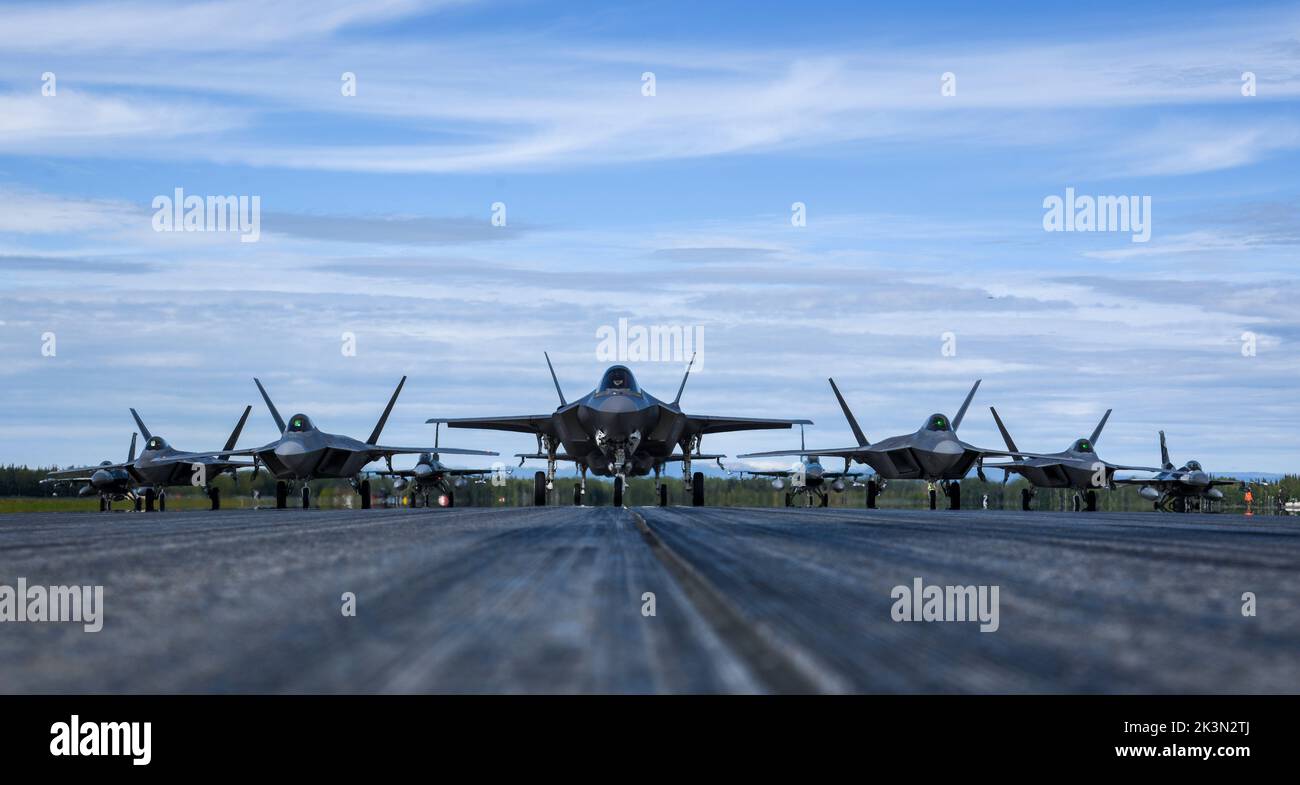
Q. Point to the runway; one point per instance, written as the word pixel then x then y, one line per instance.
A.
pixel 746 600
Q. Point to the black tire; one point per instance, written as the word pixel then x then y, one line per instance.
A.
pixel 697 490
pixel 873 491
pixel 215 496
pixel 306 497
pixel 1091 499
pixel 954 496
pixel 103 504
pixel 281 495
pixel 365 494
pixel 934 499
pixel 1026 499
pixel 789 500
pixel 577 494
pixel 826 501
pixel 618 491
pixel 1180 504
pixel 149 498
pixel 663 495
pixel 539 489
pixel 162 502
pixel 139 503
pixel 451 498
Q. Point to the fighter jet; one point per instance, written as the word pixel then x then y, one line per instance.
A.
pixel 304 453
pixel 933 453
pixel 618 430
pixel 1179 489
pixel 807 478
pixel 430 476
pixel 112 481
pixel 159 466
pixel 1077 467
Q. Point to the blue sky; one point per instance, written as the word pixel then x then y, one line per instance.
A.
pixel 924 216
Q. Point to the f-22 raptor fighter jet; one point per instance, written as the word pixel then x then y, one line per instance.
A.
pixel 304 453
pixel 1077 467
pixel 1179 490
pixel 933 453
pixel 618 430
pixel 807 478
pixel 160 465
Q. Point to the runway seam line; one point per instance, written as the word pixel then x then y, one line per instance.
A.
pixel 777 664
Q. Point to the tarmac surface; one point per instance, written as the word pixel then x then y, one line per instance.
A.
pixel 745 600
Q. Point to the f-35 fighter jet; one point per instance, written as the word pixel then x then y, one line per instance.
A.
pixel 618 430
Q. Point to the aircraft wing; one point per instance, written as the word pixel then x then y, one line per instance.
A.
pixel 83 472
pixel 839 452
pixel 528 423
pixel 383 451
pixel 698 424
pixel 1120 468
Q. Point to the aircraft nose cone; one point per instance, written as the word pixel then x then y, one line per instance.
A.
pixel 814 471
pixel 615 404
pixel 101 478
pixel 423 470
pixel 288 449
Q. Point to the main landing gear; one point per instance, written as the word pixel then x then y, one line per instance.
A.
pixel 618 490
pixel 1026 499
pixel 954 495
pixel 873 492
pixel 539 489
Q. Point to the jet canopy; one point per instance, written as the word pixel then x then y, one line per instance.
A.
pixel 1194 466
pixel 618 378
pixel 300 422
pixel 1083 445
pixel 938 422
pixel 425 457
pixel 156 443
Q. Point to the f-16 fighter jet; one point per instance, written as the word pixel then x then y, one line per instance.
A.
pixel 618 430
pixel 159 466
pixel 807 478
pixel 304 453
pixel 933 453
pixel 1179 490
pixel 1077 467
pixel 430 476
pixel 112 481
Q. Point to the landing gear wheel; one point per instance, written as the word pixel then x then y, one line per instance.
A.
pixel 618 491
pixel 138 503
pixel 1091 499
pixel 103 504
pixel 539 489
pixel 934 499
pixel 825 502
pixel 306 497
pixel 663 495
pixel 697 490
pixel 149 498
pixel 789 500
pixel 451 498
pixel 1026 499
pixel 873 491
pixel 281 495
pixel 954 496
pixel 365 494
pixel 162 502
pixel 214 495
pixel 577 494
pixel 1180 504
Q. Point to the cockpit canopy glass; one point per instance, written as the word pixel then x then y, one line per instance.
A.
pixel 937 422
pixel 300 422
pixel 1083 445
pixel 1194 466
pixel 619 377
pixel 155 443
